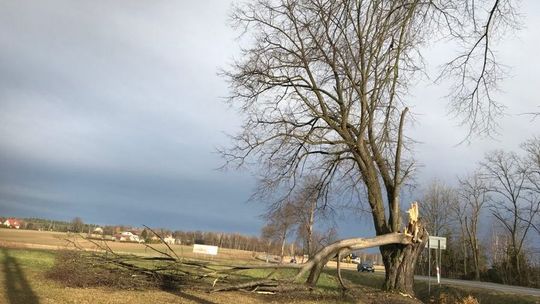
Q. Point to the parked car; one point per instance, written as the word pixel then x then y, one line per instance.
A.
pixel 365 267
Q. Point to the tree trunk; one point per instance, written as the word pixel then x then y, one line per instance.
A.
pixel 399 264
pixel 310 227
pixel 309 248
pixel 400 259
pixel 283 238
pixel 476 253
pixel 517 266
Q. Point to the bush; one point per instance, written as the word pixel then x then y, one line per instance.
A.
pixel 453 298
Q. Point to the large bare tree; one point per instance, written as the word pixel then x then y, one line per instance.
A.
pixel 323 88
pixel 306 207
pixel 512 204
pixel 532 163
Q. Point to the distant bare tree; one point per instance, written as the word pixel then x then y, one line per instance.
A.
pixel 323 86
pixel 279 225
pixel 511 202
pixel 473 196
pixel 306 207
pixel 77 225
pixel 438 200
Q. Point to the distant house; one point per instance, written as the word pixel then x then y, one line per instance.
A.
pixel 97 233
pixel 127 236
pixel 169 240
pixel 12 223
pixel 118 237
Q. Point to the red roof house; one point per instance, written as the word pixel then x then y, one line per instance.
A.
pixel 12 223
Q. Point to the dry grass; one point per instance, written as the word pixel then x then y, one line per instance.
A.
pixel 14 238
pixel 463 295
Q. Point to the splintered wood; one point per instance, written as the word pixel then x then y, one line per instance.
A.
pixel 412 228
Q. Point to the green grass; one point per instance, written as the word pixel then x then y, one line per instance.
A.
pixel 18 267
pixel 29 258
pixel 363 278
pixel 326 281
pixel 23 280
pixel 28 269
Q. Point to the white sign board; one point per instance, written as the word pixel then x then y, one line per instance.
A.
pixel 205 249
pixel 434 242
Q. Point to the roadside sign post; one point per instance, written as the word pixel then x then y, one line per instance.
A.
pixel 438 243
pixel 429 266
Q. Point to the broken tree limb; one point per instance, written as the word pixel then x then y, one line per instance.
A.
pixel 315 265
pixel 341 282
pixel 252 284
pixel 411 235
pixel 162 241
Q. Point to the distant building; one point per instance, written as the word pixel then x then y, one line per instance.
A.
pixel 127 236
pixel 169 240
pixel 98 230
pixel 12 223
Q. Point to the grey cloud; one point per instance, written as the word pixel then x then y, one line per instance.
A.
pixel 111 110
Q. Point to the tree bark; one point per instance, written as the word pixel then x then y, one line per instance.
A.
pixel 400 262
pixel 283 238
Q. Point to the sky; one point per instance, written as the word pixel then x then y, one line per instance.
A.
pixel 112 111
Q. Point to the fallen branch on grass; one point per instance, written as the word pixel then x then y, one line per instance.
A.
pixel 177 269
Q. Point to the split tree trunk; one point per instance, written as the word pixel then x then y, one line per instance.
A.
pixel 399 250
pixel 316 264
pixel 399 264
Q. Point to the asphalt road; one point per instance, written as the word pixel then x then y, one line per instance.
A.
pixel 485 285
pixel 463 283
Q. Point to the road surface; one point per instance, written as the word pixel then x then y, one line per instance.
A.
pixel 484 285
pixel 471 284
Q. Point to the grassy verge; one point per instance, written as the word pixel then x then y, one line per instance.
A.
pixel 444 294
pixel 24 279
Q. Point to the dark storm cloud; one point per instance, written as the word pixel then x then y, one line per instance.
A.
pixel 111 111
pixel 182 202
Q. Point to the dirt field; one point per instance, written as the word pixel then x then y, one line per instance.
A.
pixel 58 240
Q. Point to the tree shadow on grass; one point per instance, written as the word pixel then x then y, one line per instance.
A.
pixel 191 297
pixel 18 291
